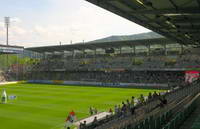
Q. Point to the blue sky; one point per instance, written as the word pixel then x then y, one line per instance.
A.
pixel 47 22
pixel 24 8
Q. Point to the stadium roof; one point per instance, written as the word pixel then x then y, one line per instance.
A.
pixel 176 19
pixel 5 49
pixel 9 46
pixel 94 45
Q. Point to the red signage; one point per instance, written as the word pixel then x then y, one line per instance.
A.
pixel 191 76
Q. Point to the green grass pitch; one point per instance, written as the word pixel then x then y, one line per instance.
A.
pixel 40 106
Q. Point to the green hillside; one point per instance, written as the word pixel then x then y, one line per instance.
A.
pixel 148 35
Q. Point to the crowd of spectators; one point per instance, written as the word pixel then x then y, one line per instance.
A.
pixel 118 62
pixel 127 108
pixel 146 77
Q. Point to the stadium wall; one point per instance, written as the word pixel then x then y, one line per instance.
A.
pixel 102 84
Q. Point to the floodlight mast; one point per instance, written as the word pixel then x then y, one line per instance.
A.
pixel 7 24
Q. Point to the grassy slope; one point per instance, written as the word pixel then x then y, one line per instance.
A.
pixel 46 106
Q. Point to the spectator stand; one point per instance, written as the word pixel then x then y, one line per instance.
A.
pixel 176 99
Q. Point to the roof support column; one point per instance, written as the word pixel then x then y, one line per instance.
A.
pixel 182 49
pixel 43 56
pixel 95 54
pixel 84 55
pixel 120 50
pixel 148 47
pixel 73 55
pixel 134 50
pixel 131 50
pixel 165 48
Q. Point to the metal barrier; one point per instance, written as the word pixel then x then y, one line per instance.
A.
pixel 181 116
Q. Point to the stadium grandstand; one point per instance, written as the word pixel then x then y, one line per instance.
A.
pixel 137 61
pixel 168 64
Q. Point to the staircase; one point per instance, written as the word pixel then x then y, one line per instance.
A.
pixel 193 121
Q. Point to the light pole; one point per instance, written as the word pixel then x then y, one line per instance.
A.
pixel 7 23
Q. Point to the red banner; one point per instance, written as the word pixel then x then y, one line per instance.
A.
pixel 191 76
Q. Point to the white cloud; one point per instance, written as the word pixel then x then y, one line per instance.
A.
pixel 66 22
pixel 1 24
pixel 16 20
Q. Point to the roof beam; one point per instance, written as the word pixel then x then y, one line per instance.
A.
pixel 177 21
pixel 198 1
pixel 184 29
pixel 172 2
pixel 167 11
pixel 184 21
pixel 130 17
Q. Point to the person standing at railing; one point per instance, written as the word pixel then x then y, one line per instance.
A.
pixel 155 94
pixel 128 104
pixel 132 105
pixel 150 96
pixel 95 121
pixel 111 111
pixel 132 108
pixel 124 109
pixel 83 125
pixel 119 110
pixel 141 99
pixel 95 111
pixel 91 111
pixel 163 101
pixel 133 101
pixel 116 109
